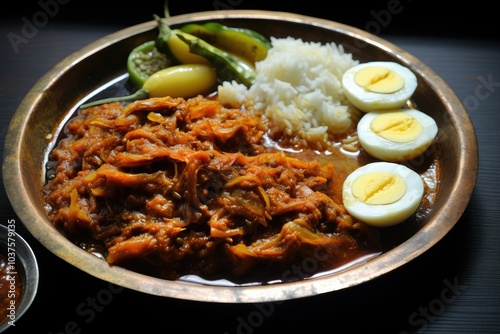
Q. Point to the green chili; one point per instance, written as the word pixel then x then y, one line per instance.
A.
pixel 242 42
pixel 168 42
pixel 227 66
pixel 180 45
pixel 143 61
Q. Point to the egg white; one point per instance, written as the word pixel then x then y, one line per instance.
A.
pixel 384 149
pixel 384 215
pixel 368 101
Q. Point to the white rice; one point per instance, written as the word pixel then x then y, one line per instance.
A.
pixel 298 88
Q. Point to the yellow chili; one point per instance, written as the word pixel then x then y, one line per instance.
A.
pixel 185 81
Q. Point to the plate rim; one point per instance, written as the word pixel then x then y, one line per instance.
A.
pixel 12 173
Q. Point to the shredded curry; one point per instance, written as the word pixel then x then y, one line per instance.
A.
pixel 174 187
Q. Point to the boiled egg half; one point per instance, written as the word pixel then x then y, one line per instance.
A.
pixel 382 193
pixel 378 85
pixel 396 135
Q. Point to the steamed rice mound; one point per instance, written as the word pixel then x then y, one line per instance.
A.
pixel 298 88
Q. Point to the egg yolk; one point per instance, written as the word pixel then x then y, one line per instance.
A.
pixel 378 79
pixel 379 188
pixel 397 127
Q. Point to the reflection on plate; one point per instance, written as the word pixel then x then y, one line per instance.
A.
pixel 101 64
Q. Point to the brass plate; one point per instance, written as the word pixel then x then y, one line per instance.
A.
pixel 68 83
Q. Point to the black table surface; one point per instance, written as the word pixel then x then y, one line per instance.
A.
pixel 452 288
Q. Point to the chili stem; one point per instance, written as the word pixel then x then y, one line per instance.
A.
pixel 141 94
pixel 166 10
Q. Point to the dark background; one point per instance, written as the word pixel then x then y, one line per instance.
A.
pixel 459 42
pixel 416 17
